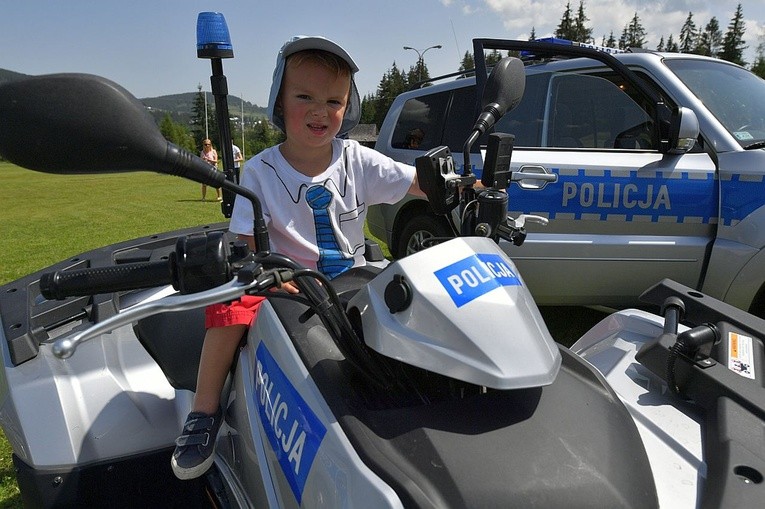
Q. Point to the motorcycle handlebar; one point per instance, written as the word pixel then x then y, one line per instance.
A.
pixel 115 278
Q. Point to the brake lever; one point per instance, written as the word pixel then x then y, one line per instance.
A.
pixel 520 221
pixel 65 347
pixel 514 229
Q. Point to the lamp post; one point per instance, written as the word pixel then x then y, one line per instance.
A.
pixel 420 55
pixel 199 87
pixel 242 98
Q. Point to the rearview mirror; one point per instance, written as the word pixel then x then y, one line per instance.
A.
pixel 685 131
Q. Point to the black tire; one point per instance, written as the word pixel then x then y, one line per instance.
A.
pixel 419 228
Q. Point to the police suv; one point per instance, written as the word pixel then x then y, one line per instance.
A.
pixel 660 166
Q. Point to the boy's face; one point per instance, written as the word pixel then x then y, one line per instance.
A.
pixel 313 101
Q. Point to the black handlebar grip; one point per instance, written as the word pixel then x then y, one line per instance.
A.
pixel 114 278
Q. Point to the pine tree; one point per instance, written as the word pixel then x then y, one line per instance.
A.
pixel 633 35
pixel 198 125
pixel 733 45
pixel 581 32
pixel 392 84
pixel 533 35
pixel 565 29
pixel 671 46
pixel 688 35
pixel 623 37
pixel 493 57
pixel 368 109
pixel 468 62
pixel 660 46
pixel 611 42
pixel 710 39
pixel 758 67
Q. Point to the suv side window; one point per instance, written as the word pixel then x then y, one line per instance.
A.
pixel 558 110
pixel 593 112
pixel 457 125
pixel 570 110
pixel 526 121
pixel 421 121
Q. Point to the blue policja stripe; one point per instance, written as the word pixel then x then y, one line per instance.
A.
pixel 602 195
pixel 474 276
pixel 740 198
pixel 294 431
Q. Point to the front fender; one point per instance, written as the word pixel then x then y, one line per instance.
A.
pixel 747 285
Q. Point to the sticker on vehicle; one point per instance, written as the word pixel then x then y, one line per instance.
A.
pixel 294 431
pixel 476 275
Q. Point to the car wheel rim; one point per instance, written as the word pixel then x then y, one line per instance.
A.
pixel 416 240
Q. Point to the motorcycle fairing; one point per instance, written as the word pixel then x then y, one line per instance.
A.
pixel 470 318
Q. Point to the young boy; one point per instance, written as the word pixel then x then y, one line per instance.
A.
pixel 315 190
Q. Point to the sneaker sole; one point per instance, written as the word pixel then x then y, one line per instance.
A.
pixel 186 474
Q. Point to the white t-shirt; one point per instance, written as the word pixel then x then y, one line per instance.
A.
pixel 330 236
pixel 236 153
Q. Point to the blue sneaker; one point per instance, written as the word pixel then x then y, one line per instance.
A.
pixel 194 449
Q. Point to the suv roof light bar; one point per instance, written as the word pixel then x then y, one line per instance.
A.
pixel 566 42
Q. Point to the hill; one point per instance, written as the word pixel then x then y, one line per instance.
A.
pixel 179 106
pixel 6 75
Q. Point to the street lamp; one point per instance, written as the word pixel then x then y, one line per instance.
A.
pixel 420 55
pixel 199 87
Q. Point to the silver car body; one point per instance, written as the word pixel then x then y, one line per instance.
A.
pixel 623 215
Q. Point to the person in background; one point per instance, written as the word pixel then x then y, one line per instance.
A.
pixel 414 138
pixel 210 155
pixel 238 158
pixel 315 189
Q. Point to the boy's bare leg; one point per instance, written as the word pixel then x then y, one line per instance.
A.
pixel 214 364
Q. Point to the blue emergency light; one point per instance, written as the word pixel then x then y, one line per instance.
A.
pixel 213 39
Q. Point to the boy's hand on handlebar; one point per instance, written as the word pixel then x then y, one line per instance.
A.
pixel 287 286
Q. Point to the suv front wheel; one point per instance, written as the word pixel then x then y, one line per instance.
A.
pixel 419 228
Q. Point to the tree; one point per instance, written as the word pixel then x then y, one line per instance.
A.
pixel 633 35
pixel 391 85
pixel 533 35
pixel 198 120
pixel 468 62
pixel 688 35
pixel 261 136
pixel 581 32
pixel 758 67
pixel 493 57
pixel 660 46
pixel 710 39
pixel 733 45
pixel 176 133
pixel 565 29
pixel 368 109
pixel 611 42
pixel 671 46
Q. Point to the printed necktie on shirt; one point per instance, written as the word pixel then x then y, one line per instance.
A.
pixel 331 261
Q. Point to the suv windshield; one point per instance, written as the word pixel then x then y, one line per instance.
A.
pixel 732 94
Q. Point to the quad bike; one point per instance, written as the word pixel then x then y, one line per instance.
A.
pixel 431 381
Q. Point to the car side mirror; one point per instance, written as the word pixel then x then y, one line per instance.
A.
pixel 684 131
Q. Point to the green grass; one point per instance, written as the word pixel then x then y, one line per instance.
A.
pixel 48 218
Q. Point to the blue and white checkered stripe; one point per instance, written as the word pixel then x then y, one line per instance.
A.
pixel 632 196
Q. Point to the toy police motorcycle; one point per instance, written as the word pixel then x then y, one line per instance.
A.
pixel 431 382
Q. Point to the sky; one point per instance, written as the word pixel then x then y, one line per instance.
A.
pixel 149 46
